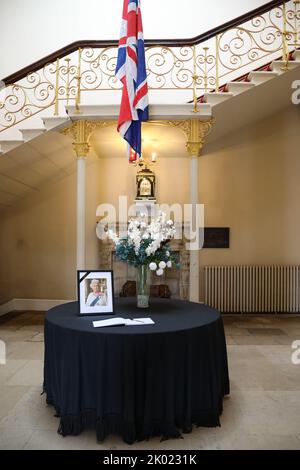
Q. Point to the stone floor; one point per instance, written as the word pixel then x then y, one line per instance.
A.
pixel 262 412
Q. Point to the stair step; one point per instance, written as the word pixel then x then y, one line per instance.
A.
pixel 8 145
pixel 239 87
pixel 215 98
pixel 54 122
pixel 259 77
pixel 29 134
pixel 279 66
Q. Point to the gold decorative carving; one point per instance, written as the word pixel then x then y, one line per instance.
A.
pixel 93 126
pixel 195 131
pixel 81 131
pixel 184 126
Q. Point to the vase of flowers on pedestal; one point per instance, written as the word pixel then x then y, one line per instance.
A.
pixel 146 247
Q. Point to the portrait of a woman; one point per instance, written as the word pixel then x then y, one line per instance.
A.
pixel 98 294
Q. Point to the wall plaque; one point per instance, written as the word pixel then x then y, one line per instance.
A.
pixel 216 237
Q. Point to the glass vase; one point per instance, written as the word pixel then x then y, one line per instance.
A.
pixel 142 286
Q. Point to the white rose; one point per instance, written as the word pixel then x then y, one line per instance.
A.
pixel 167 253
pixel 153 266
pixel 159 272
pixel 169 264
pixel 162 265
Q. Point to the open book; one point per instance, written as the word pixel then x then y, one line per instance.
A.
pixel 123 321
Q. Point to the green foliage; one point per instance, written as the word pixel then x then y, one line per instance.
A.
pixel 125 251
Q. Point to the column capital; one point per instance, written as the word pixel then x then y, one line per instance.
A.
pixel 80 131
pixel 196 132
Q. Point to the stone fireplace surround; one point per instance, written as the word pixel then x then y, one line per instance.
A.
pixel 178 280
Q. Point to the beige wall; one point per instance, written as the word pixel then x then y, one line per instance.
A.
pixel 38 236
pixel 37 245
pixel 248 182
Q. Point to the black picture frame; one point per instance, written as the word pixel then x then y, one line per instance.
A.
pixel 84 278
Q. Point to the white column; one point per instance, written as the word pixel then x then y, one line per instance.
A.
pixel 194 254
pixel 81 213
pixel 195 131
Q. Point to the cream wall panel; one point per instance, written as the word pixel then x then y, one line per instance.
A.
pixel 250 183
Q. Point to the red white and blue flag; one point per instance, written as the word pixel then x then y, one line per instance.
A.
pixel 131 70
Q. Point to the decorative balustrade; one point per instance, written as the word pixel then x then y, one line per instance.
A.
pixel 200 67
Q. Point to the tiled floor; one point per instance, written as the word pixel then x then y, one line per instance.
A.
pixel 263 411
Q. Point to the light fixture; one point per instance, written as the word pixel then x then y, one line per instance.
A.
pixel 153 157
pixel 145 161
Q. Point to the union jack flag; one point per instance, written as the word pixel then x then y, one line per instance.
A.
pixel 131 70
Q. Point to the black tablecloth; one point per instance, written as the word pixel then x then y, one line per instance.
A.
pixel 136 381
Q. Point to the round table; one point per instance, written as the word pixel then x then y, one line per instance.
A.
pixel 136 381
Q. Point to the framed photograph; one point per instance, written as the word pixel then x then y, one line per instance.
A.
pixel 95 292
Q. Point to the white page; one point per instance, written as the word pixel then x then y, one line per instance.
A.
pixel 109 322
pixel 139 321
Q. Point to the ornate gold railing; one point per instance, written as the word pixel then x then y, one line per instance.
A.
pixel 201 67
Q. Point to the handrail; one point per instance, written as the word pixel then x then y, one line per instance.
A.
pixel 192 66
pixel 148 43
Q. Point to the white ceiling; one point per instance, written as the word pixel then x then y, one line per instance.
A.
pixel 27 168
pixel 42 27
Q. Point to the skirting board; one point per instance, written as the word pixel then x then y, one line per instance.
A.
pixel 40 305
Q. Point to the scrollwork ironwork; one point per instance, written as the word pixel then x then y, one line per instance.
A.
pixel 201 68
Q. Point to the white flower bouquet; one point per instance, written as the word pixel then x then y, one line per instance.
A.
pixel 146 247
pixel 147 243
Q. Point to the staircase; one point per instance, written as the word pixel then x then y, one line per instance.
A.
pixel 79 83
pixel 35 127
pixel 252 79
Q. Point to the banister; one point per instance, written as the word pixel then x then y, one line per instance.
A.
pixel 148 43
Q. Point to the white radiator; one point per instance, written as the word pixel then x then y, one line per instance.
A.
pixel 253 288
